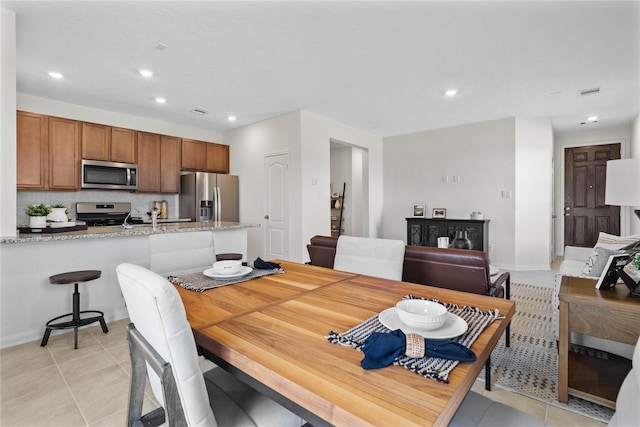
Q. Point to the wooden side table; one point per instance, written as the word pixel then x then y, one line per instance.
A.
pixel 609 313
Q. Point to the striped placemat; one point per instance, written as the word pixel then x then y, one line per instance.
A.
pixel 429 367
pixel 198 282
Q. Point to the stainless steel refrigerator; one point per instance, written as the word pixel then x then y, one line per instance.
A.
pixel 209 197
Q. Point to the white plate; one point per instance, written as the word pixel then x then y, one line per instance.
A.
pixel 453 327
pixel 61 224
pixel 244 270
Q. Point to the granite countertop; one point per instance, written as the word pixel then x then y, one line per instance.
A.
pixel 118 231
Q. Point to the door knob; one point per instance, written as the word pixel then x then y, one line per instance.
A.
pixel 266 217
pixel 568 208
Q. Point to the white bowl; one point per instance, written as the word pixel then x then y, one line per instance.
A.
pixel 421 314
pixel 227 267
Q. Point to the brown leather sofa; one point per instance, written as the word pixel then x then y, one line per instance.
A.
pixel 457 269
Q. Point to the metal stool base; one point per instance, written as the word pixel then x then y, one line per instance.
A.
pixel 75 322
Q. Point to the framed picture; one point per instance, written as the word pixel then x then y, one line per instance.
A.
pixel 418 210
pixel 609 275
pixel 439 213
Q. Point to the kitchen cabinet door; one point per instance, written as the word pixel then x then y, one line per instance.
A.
pixel 64 154
pixel 217 158
pixel 96 141
pixel 31 151
pixel 194 155
pixel 123 145
pixel 148 162
pixel 169 164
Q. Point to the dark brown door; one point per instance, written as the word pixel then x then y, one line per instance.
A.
pixel 585 213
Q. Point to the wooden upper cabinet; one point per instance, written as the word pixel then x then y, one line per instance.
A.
pixel 169 164
pixel 108 143
pixel 96 141
pixel 148 162
pixel 123 145
pixel 205 156
pixel 217 158
pixel 194 155
pixel 64 154
pixel 31 151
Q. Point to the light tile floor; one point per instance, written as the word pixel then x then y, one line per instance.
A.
pixel 59 386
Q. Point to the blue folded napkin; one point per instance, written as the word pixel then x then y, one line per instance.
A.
pixel 260 264
pixel 381 349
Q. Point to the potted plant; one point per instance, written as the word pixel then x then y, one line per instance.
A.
pixel 37 215
pixel 58 214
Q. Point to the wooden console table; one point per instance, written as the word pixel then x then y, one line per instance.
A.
pixel 609 313
pixel 425 231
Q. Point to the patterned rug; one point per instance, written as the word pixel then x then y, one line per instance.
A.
pixel 530 365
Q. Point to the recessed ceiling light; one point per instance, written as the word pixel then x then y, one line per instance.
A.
pixel 232 118
pixel 146 73
pixel 55 75
pixel 161 100
pixel 592 119
pixel 451 92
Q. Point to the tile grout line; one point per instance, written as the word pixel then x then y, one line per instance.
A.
pixel 66 383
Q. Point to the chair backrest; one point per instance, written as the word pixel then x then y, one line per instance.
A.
pixel 627 408
pixel 181 253
pixel 373 257
pixel 458 269
pixel 155 308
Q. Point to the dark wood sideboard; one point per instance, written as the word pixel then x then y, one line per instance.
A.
pixel 425 231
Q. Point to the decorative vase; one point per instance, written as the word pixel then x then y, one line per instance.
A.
pixel 37 221
pixel 58 215
pixel 461 241
pixel 338 205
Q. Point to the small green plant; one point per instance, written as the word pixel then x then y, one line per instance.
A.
pixel 636 261
pixel 38 210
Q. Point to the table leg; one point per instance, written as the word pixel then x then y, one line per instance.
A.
pixel 563 354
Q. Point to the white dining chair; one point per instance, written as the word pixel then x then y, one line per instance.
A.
pixel 159 325
pixel 627 408
pixel 374 257
pixel 181 253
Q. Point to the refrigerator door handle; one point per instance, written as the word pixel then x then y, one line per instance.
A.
pixel 218 204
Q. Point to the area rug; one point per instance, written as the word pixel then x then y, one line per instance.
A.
pixel 530 366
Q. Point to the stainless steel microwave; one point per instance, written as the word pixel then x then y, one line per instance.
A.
pixel 109 175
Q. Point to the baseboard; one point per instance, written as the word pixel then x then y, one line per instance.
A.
pixel 36 334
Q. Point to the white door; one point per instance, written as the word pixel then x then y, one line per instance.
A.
pixel 276 204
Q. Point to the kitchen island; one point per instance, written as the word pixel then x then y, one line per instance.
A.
pixel 28 301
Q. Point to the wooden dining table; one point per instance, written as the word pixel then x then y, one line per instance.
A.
pixel 272 332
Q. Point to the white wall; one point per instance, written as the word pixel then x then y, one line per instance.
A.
pixel 481 154
pixel 635 153
pixel 317 131
pixel 7 123
pixel 306 137
pixel 533 193
pixel 51 107
pixel 250 144
pixel 593 136
pixel 341 173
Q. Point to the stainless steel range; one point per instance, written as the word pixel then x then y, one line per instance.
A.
pixel 103 213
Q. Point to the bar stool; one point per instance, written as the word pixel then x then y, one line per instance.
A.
pixel 76 321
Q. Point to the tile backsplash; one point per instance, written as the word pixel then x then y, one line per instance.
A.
pixel 140 203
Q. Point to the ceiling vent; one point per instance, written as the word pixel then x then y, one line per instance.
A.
pixel 160 46
pixel 589 91
pixel 199 111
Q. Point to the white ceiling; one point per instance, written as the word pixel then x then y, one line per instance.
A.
pixel 378 66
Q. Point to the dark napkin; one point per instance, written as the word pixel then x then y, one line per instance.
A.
pixel 381 349
pixel 259 263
